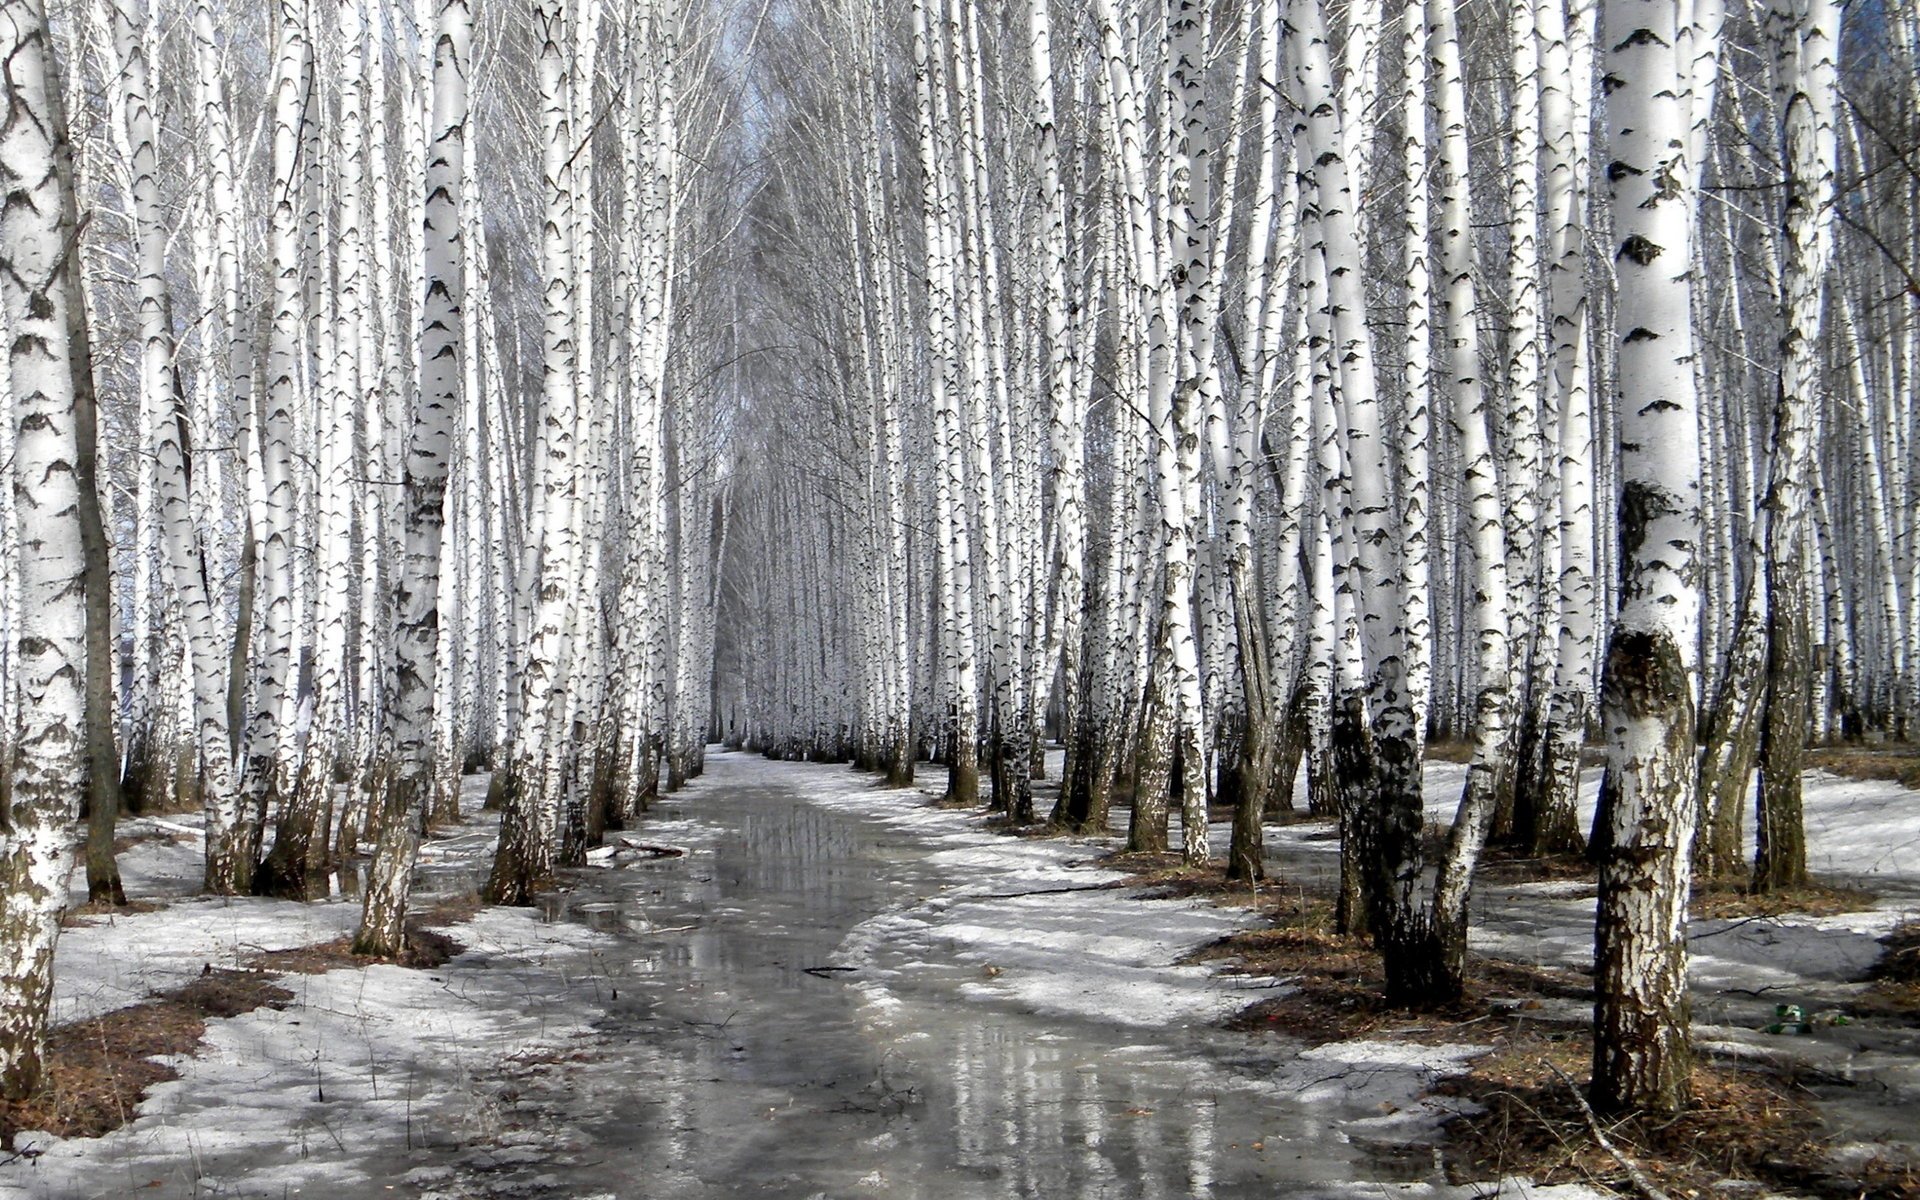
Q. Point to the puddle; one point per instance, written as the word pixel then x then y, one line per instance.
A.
pixel 743 1057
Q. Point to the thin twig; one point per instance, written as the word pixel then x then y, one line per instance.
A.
pixel 1638 1177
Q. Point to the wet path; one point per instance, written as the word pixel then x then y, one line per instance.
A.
pixel 740 1056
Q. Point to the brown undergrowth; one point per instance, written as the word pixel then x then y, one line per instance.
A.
pixel 1895 988
pixel 1896 764
pixel 1337 991
pixel 1731 901
pixel 1902 961
pixel 93 912
pixel 426 949
pixel 98 1069
pixel 1745 1125
pixel 450 909
pixel 1498 864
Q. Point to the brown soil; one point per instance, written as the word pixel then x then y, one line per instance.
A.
pixel 1902 961
pixel 451 909
pixel 1460 750
pixel 1894 993
pixel 1165 876
pixel 1451 750
pixel 1001 824
pixel 426 949
pixel 1719 901
pixel 1743 1125
pixel 1897 764
pixel 1337 991
pixel 97 1070
pixel 94 912
pixel 1501 865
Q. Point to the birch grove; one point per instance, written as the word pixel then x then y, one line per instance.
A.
pixel 1249 404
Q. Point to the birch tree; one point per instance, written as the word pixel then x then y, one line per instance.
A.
pixel 529 822
pixel 1806 44
pixel 41 296
pixel 1648 701
pixel 442 355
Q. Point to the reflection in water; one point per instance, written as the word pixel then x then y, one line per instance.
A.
pixel 729 1069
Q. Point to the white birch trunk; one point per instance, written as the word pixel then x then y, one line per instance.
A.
pixel 523 863
pixel 40 293
pixel 409 720
pixel 1648 703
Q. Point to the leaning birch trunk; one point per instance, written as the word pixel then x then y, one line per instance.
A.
pixel 299 854
pixel 40 291
pixel 1521 484
pixel 1432 965
pixel 963 767
pixel 302 845
pixel 409 781
pixel 1188 265
pixel 1171 720
pixel 1641 1040
pixel 1808 37
pixel 1417 433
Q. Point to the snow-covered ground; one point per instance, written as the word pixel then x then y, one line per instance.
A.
pixel 336 1093
pixel 331 1091
pixel 1033 916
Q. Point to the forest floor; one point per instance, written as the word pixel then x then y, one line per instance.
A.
pixel 231 1047
pixel 1821 1104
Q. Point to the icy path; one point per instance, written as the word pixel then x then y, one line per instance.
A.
pixel 842 992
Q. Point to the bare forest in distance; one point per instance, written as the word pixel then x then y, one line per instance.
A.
pixel 730 597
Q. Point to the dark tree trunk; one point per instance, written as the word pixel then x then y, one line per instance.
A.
pixel 1780 860
pixel 1354 778
pixel 515 879
pixel 963 775
pixel 1641 1054
pixel 1153 768
pixel 1288 749
pixel 1732 736
pixel 1426 961
pixel 1558 830
pixel 103 760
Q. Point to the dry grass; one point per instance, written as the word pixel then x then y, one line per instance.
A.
pixel 1895 991
pixel 1501 865
pixel 93 911
pixel 425 950
pixel 1743 1125
pixel 1165 876
pixel 1897 764
pixel 97 1070
pixel 1040 829
pixel 1338 991
pixel 1902 961
pixel 450 909
pixel 1450 750
pixel 1725 901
